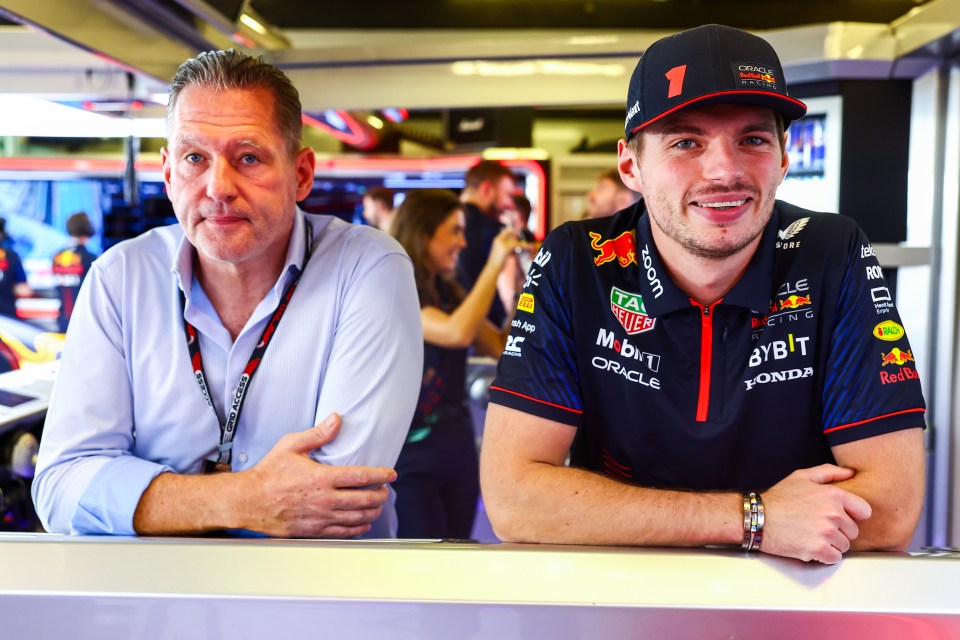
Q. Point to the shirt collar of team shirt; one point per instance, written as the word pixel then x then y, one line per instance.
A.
pixel 752 291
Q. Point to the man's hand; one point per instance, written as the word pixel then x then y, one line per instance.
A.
pixel 809 519
pixel 291 495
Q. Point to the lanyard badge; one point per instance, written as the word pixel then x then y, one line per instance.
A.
pixel 228 427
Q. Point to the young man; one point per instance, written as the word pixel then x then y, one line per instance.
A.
pixel 157 424
pixel 71 264
pixel 378 208
pixel 720 366
pixel 13 279
pixel 609 195
pixel 487 193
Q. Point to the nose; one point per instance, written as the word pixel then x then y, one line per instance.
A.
pixel 721 162
pixel 221 181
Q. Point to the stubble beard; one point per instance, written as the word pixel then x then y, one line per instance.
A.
pixel 674 226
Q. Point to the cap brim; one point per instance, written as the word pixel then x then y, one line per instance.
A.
pixel 790 108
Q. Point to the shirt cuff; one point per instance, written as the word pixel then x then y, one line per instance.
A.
pixel 540 408
pixel 110 500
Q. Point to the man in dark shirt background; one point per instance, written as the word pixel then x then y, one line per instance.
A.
pixel 488 192
pixel 13 279
pixel 71 264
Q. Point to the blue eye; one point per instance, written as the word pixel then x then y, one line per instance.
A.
pixel 684 144
pixel 193 158
pixel 249 159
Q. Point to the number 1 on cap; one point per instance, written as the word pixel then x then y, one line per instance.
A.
pixel 675 76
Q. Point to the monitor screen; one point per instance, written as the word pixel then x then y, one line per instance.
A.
pixel 11 399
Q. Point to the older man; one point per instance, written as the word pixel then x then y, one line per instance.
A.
pixel 250 368
pixel 720 366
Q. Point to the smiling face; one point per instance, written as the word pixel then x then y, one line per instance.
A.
pixel 709 178
pixel 231 178
pixel 446 243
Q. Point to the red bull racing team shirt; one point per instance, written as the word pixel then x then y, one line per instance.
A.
pixel 807 351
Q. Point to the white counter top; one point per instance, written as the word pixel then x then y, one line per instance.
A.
pixel 86 587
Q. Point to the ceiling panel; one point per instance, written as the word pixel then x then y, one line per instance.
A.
pixel 566 14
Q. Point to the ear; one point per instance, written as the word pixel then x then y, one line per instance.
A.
pixel 165 163
pixel 304 165
pixel 785 160
pixel 629 169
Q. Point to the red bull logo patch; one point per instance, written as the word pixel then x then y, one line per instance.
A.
pixel 888 331
pixel 526 303
pixel 629 310
pixel 897 357
pixel 66 259
pixel 902 375
pixel 794 302
pixel 623 249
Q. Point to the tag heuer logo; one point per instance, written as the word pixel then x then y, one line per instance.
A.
pixel 629 310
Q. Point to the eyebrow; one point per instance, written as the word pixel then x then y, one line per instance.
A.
pixel 684 128
pixel 188 139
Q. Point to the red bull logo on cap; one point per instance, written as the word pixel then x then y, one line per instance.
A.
pixel 794 301
pixel 897 357
pixel 629 310
pixel 623 249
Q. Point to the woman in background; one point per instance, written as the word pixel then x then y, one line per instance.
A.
pixel 437 482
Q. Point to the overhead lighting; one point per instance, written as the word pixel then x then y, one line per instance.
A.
pixel 536 67
pixel 589 41
pixel 251 22
pixel 29 116
pixel 515 153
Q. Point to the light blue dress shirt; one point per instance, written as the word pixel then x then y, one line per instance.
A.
pixel 126 406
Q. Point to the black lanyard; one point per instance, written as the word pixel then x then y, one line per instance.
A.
pixel 228 427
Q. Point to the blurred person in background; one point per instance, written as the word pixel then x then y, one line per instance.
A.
pixel 609 195
pixel 70 265
pixel 518 218
pixel 437 474
pixel 378 208
pixel 487 194
pixel 13 279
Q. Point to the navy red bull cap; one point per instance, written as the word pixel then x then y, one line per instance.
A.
pixel 712 64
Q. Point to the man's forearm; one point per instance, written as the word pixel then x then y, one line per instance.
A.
pixel 176 504
pixel 890 476
pixel 566 505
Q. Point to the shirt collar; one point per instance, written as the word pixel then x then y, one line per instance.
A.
pixel 182 267
pixel 662 296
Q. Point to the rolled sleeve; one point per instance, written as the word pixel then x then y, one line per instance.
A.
pixel 88 431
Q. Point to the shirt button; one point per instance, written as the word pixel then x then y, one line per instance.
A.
pixel 243 456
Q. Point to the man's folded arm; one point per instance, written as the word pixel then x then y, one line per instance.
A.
pixel 530 496
pixel 891 477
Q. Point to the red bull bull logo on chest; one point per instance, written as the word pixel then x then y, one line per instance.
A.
pixel 623 249
pixel 794 302
pixel 897 357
